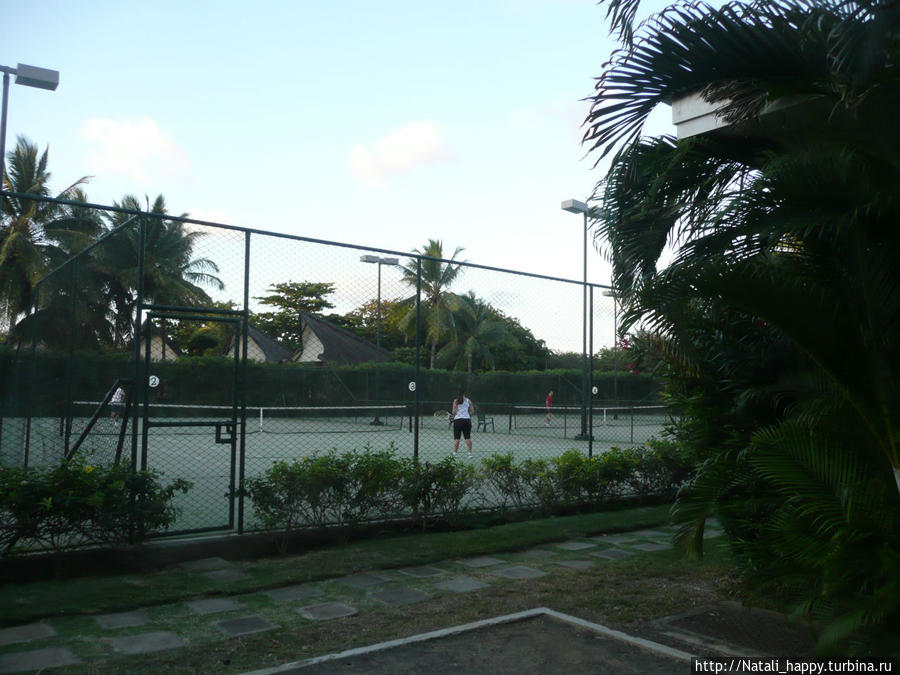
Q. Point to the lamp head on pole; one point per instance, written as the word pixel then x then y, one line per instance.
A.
pixel 40 78
pixel 380 261
pixel 574 206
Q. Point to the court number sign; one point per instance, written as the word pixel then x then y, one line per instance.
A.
pixel 412 386
pixel 595 390
pixel 154 381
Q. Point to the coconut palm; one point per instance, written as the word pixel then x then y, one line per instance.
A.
pixel 785 264
pixel 479 332
pixel 31 230
pixel 437 302
pixel 172 276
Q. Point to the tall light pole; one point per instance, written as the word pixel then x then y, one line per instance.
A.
pixel 30 76
pixel 379 261
pixel 575 206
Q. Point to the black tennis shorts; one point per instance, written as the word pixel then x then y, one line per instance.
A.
pixel 463 427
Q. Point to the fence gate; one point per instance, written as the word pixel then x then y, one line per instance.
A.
pixel 190 414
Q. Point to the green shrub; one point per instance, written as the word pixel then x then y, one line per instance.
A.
pixel 659 467
pixel 572 482
pixel 76 503
pixel 372 490
pixel 607 475
pixel 440 489
pixel 537 474
pixel 331 489
pixel 503 477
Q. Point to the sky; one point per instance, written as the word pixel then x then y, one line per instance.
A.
pixel 376 123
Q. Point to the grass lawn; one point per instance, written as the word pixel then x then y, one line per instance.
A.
pixel 624 594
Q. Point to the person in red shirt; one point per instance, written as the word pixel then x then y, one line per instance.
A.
pixel 549 403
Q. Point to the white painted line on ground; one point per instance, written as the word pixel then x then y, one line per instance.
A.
pixel 475 625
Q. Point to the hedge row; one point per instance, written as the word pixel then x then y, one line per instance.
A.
pixel 79 503
pixel 43 384
pixel 351 488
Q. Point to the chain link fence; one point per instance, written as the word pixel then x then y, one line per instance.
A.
pixel 209 352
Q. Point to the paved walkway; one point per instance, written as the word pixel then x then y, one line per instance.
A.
pixel 63 641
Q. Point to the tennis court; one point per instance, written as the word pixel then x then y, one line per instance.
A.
pixel 202 444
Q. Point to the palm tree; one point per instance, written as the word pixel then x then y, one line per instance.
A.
pixel 478 332
pixel 172 276
pixel 438 303
pixel 779 313
pixel 31 231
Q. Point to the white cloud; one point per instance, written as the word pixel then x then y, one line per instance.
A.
pixel 136 148
pixel 416 144
pixel 567 115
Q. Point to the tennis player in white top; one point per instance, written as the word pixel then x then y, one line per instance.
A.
pixel 463 409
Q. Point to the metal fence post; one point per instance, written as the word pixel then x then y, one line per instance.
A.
pixel 591 379
pixel 245 323
pixel 73 289
pixel 416 397
pixel 33 378
pixel 140 383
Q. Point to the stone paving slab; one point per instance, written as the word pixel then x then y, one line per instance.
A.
pixel 213 605
pixel 244 625
pixel 423 571
pixel 146 642
pixel 651 533
pixel 519 572
pixel 401 596
pixel 37 659
pixel 612 553
pixel 294 593
pixel 121 619
pixel 206 564
pixel 576 564
pixel 575 545
pixel 225 575
pixel 613 539
pixel 327 610
pixel 364 580
pixel 538 553
pixel 482 561
pixel 31 631
pixel 651 546
pixel 461 584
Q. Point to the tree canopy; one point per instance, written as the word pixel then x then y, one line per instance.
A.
pixel 785 264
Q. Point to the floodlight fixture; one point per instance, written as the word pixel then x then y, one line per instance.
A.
pixel 39 78
pixel 574 206
pixel 380 261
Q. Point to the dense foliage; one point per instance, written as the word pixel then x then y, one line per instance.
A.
pixel 776 320
pixel 78 503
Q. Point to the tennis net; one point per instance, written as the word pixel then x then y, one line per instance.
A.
pixel 181 419
pixel 536 417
